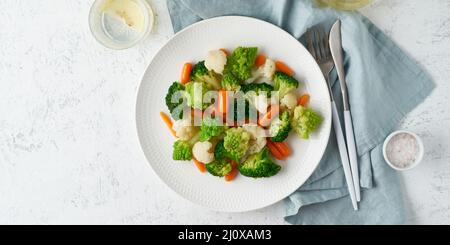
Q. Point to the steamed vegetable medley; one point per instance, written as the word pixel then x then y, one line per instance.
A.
pixel 232 113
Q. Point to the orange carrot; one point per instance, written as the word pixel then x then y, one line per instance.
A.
pixel 223 105
pixel 260 60
pixel 225 51
pixel 186 73
pixel 265 120
pixel 283 148
pixel 303 100
pixel 281 66
pixel 200 165
pixel 274 151
pixel 231 175
pixel 168 122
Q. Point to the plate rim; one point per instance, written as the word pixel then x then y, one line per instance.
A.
pixel 327 127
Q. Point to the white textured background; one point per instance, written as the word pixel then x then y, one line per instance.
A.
pixel 68 146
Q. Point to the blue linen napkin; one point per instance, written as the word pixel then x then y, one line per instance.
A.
pixel 384 84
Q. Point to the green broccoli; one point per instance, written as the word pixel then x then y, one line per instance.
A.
pixel 219 167
pixel 221 153
pixel 280 127
pixel 196 92
pixel 211 128
pixel 305 121
pixel 257 88
pixel 236 142
pixel 230 82
pixel 182 151
pixel 284 83
pixel 174 98
pixel 259 165
pixel 242 61
pixel 201 74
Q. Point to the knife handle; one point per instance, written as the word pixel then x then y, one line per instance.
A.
pixel 352 152
pixel 343 153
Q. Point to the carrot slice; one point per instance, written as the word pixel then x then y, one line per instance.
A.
pixel 231 175
pixel 223 105
pixel 200 165
pixel 225 51
pixel 265 120
pixel 274 151
pixel 281 66
pixel 186 73
pixel 303 100
pixel 168 122
pixel 283 148
pixel 260 60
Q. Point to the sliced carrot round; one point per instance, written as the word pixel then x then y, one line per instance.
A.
pixel 281 66
pixel 260 60
pixel 303 100
pixel 186 73
pixel 200 165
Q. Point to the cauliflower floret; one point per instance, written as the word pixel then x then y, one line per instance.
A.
pixel 289 101
pixel 260 102
pixel 215 61
pixel 268 69
pixel 202 151
pixel 184 128
pixel 258 137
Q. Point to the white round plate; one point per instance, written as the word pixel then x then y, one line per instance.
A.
pixel 192 44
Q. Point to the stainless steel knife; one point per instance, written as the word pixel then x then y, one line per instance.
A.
pixel 335 41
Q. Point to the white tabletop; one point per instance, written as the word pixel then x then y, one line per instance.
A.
pixel 68 146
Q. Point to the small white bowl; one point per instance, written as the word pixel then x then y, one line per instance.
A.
pixel 419 154
pixel 100 33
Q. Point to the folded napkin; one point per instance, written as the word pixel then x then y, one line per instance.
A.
pixel 384 84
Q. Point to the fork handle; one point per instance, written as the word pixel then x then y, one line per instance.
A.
pixel 343 153
pixel 352 152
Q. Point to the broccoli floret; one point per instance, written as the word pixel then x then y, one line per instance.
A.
pixel 284 83
pixel 280 127
pixel 257 88
pixel 230 82
pixel 221 153
pixel 242 61
pixel 211 128
pixel 201 74
pixel 219 167
pixel 196 92
pixel 182 151
pixel 236 142
pixel 174 98
pixel 259 165
pixel 305 121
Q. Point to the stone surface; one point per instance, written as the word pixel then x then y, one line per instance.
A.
pixel 68 146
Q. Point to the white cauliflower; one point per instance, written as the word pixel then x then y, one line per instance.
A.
pixel 265 71
pixel 289 101
pixel 215 61
pixel 202 151
pixel 258 137
pixel 268 69
pixel 184 128
pixel 260 102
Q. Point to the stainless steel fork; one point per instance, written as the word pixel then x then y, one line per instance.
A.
pixel 317 41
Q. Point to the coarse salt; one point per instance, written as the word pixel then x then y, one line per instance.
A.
pixel 402 150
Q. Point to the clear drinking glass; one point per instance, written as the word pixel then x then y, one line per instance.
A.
pixel 344 4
